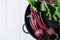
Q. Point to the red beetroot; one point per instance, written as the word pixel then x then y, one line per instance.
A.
pixel 50 31
pixel 39 33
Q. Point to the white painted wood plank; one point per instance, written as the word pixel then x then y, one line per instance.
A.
pixel 13 20
pixel 3 20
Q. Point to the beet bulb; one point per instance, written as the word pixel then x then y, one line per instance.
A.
pixel 39 33
pixel 51 32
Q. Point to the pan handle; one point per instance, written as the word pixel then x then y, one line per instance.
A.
pixel 24 29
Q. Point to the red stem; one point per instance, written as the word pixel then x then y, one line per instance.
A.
pixel 42 19
pixel 33 25
pixel 39 23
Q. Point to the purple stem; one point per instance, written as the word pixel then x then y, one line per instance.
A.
pixel 34 27
pixel 42 19
pixel 39 23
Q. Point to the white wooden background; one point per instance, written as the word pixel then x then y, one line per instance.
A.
pixel 11 20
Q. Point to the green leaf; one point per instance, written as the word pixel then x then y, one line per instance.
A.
pixel 57 12
pixel 54 17
pixel 29 16
pixel 33 3
pixel 58 3
pixel 34 8
pixel 43 8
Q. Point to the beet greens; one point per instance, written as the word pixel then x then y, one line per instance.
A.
pixel 44 7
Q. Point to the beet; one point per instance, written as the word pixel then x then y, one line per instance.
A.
pixel 50 24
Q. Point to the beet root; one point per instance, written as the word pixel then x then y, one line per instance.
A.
pixel 39 33
pixel 51 32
